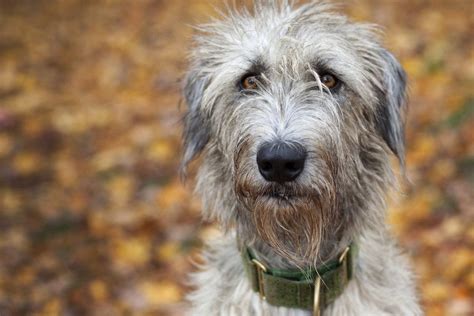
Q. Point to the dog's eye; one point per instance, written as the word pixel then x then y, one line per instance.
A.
pixel 249 82
pixel 329 81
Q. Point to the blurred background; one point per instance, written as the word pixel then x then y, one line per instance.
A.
pixel 93 217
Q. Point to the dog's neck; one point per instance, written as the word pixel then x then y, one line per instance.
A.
pixel 328 250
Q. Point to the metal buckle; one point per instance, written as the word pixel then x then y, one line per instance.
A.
pixel 343 261
pixel 260 270
pixel 344 255
pixel 317 284
pixel 317 290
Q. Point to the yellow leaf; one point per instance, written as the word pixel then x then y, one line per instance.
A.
pixel 470 279
pixel 66 171
pixel 98 290
pixel 436 291
pixel 160 293
pixel 110 158
pixel 443 170
pixel 453 227
pixel 26 162
pixel 131 252
pixel 11 201
pixel 121 189
pixel 172 195
pixel 168 251
pixel 33 127
pixel 413 66
pixel 6 145
pixel 161 151
pixel 52 308
pixel 423 149
pixel 26 276
pixel 459 264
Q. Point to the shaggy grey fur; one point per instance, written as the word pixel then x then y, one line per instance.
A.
pixel 349 133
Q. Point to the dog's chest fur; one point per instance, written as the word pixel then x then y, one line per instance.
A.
pixel 381 284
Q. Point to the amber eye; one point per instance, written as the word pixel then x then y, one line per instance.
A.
pixel 329 81
pixel 249 82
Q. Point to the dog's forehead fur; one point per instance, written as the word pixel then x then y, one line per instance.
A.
pixel 311 34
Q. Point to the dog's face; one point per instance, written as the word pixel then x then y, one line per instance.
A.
pixel 296 110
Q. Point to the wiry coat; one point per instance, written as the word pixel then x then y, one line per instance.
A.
pixel 349 134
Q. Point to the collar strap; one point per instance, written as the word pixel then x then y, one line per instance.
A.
pixel 311 289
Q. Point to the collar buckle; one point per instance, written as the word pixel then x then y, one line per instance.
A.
pixel 261 269
pixel 343 255
pixel 317 290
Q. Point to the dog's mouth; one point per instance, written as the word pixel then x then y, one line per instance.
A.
pixel 280 193
pixel 290 194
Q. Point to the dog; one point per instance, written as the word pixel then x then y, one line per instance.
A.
pixel 296 112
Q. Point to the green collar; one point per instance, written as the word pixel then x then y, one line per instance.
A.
pixel 311 289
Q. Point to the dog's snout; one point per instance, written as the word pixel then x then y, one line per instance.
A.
pixel 281 162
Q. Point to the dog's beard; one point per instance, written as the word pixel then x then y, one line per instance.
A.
pixel 293 227
pixel 292 221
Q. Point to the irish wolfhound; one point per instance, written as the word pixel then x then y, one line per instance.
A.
pixel 296 111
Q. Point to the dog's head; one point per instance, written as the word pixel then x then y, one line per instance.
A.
pixel 297 111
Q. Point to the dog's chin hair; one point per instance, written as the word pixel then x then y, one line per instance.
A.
pixel 294 226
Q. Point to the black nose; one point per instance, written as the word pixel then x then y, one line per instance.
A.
pixel 281 162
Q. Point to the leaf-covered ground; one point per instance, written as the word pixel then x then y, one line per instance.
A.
pixel 93 218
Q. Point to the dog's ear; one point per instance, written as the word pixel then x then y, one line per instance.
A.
pixel 196 131
pixel 390 121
